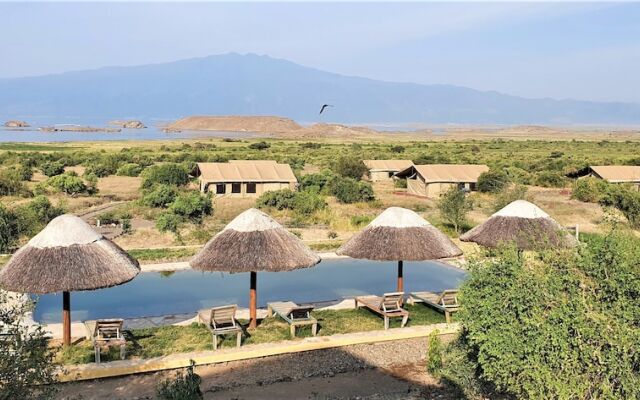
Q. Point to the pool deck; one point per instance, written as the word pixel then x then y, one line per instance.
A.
pixel 128 367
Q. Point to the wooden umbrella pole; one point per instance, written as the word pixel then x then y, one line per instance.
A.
pixel 400 277
pixel 253 301
pixel 66 318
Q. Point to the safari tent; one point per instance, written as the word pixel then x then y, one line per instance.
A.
pixel 615 173
pixel 383 170
pixel 434 179
pixel 244 178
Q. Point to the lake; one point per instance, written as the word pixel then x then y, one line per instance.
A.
pixel 153 294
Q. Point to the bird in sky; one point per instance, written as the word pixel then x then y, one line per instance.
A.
pixel 323 107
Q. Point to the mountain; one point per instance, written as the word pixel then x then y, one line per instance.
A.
pixel 233 84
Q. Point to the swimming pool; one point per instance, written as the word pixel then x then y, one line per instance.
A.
pixel 152 294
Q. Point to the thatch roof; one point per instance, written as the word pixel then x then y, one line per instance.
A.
pixel 456 173
pixel 253 241
pixel 399 234
pixel 617 173
pixel 388 165
pixel 522 223
pixel 246 171
pixel 67 255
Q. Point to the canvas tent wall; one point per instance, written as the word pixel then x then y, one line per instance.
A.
pixel 384 170
pixel 434 179
pixel 240 178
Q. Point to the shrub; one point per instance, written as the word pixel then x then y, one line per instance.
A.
pixel 316 182
pixel 301 202
pixel 11 184
pixel 492 181
pixel 52 168
pixel 259 146
pixel 101 169
pixel 397 149
pixel 307 203
pixel 575 309
pixel 183 387
pixel 350 166
pixel 69 183
pixel 590 189
pixel 168 222
pixel 517 192
pixel 129 169
pixel 400 183
pixel 348 190
pixel 33 216
pixel 310 145
pixel 332 235
pixel 23 172
pixel 360 220
pixel 192 205
pixel 167 174
pixel 8 229
pixel 434 353
pixel 159 196
pixel 626 199
pixel 550 179
pixel 453 206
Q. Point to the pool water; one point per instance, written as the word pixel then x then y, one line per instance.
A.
pixel 154 294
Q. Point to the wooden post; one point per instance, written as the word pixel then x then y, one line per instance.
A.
pixel 400 278
pixel 253 301
pixel 66 318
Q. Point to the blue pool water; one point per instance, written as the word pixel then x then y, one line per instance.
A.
pixel 152 294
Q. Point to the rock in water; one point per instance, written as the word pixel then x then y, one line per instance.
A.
pixel 128 124
pixel 16 124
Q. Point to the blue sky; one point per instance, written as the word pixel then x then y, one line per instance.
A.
pixel 585 51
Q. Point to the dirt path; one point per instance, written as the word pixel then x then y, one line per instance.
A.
pixel 390 370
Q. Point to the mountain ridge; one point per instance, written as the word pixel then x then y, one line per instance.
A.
pixel 235 84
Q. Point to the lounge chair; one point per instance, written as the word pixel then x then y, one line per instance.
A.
pixel 294 314
pixel 388 306
pixel 106 333
pixel 221 321
pixel 446 301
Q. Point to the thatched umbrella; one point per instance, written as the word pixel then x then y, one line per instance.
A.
pixel 67 255
pixel 253 242
pixel 524 224
pixel 399 235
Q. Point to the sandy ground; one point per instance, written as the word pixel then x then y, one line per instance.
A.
pixel 391 370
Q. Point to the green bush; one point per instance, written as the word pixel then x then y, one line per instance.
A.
pixel 626 199
pixel 129 169
pixel 301 202
pixel 9 232
pixel 168 222
pixel 316 182
pixel 397 149
pixel 259 146
pixel 52 168
pixel 69 183
pixel 349 190
pixel 434 353
pixel 400 183
pixel 11 184
pixel 550 179
pixel 566 326
pixel 350 166
pixel 183 387
pixel 492 181
pixel 360 220
pixel 23 172
pixel 160 196
pixel 167 174
pixel 192 205
pixel 590 189
pixel 101 169
pixel 33 216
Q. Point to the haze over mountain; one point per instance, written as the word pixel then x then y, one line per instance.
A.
pixel 233 84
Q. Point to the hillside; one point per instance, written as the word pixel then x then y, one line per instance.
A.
pixel 233 84
pixel 258 124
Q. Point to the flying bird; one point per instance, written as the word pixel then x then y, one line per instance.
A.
pixel 323 107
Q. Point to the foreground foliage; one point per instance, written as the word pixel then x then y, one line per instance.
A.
pixel 563 326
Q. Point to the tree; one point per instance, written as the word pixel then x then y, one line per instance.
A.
pixel 168 174
pixel 453 206
pixel 129 169
pixel 159 196
pixel 192 205
pixel 350 166
pixel 69 183
pixel 348 190
pixel 52 168
pixel 27 364
pixel 492 181
pixel 259 145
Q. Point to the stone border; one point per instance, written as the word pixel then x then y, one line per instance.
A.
pixel 128 367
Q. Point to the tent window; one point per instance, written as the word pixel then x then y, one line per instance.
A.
pixel 390 174
pixel 235 187
pixel 221 188
pixel 251 187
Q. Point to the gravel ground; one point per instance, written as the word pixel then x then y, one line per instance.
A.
pixel 391 370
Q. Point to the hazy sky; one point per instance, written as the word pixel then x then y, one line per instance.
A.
pixel 573 50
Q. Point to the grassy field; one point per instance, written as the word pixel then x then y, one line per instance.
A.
pixel 155 342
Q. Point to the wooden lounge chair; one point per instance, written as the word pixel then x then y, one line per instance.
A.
pixel 106 333
pixel 446 301
pixel 221 321
pixel 294 314
pixel 388 306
